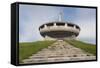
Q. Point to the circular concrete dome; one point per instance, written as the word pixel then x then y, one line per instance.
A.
pixel 59 30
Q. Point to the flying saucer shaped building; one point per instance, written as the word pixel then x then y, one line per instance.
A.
pixel 59 30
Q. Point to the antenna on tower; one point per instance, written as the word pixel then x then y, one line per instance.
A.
pixel 60 16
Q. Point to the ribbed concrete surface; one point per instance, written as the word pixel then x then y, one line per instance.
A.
pixel 58 52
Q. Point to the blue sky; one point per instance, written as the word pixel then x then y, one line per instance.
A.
pixel 32 16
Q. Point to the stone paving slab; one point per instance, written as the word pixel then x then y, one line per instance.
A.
pixel 59 51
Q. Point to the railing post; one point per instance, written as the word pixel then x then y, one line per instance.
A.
pixel 45 26
pixel 65 24
pixel 55 25
pixel 74 27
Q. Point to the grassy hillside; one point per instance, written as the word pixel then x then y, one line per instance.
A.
pixel 27 49
pixel 90 48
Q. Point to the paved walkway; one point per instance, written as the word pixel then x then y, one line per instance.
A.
pixel 58 52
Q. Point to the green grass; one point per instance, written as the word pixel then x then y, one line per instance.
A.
pixel 29 48
pixel 90 48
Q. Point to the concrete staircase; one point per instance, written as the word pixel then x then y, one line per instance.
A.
pixel 58 52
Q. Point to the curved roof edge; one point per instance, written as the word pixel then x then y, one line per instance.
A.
pixel 59 22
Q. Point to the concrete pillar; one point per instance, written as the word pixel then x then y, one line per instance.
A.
pixel 55 25
pixel 74 27
pixel 45 26
pixel 65 24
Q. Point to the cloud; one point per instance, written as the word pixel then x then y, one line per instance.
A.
pixel 86 19
pixel 31 17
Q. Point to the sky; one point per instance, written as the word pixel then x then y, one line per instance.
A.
pixel 33 16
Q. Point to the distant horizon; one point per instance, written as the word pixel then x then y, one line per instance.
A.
pixel 33 16
pixel 89 41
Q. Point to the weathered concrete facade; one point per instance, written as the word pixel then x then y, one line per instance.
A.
pixel 59 30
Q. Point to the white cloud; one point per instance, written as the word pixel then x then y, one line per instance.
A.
pixel 87 22
pixel 31 17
